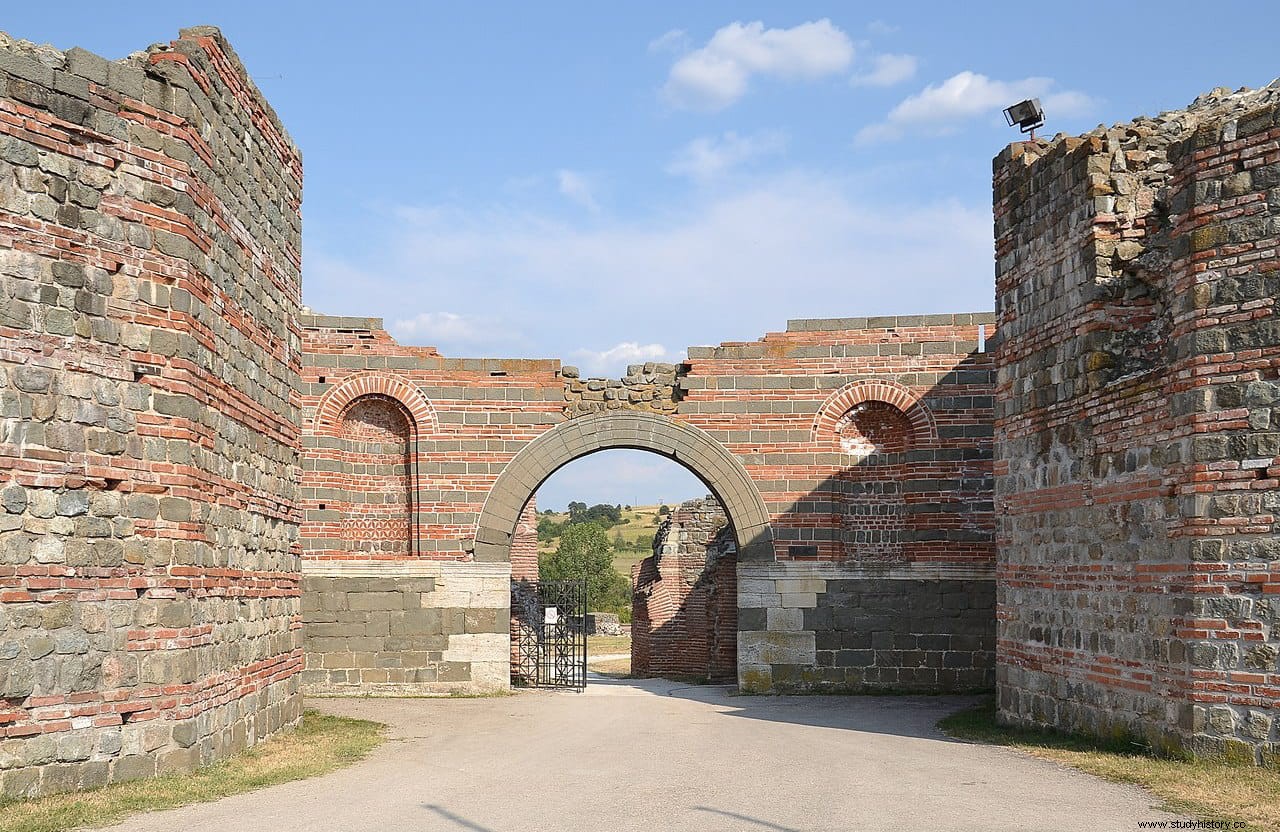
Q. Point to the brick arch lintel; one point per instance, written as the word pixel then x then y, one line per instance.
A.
pixel 874 390
pixel 693 448
pixel 335 401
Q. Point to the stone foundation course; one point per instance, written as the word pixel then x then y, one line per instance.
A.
pixel 433 628
pixel 830 628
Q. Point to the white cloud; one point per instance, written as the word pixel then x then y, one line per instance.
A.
pixel 576 187
pixel 676 40
pixel 940 108
pixel 708 157
pixel 887 70
pixel 451 332
pixel 614 361
pixel 716 75
pixel 724 264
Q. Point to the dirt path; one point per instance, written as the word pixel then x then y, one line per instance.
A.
pixel 645 755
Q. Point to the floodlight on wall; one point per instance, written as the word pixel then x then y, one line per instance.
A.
pixel 1028 115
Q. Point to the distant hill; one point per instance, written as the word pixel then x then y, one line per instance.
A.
pixel 639 525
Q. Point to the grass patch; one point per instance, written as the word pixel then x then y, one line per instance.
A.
pixel 1201 789
pixel 603 645
pixel 613 668
pixel 320 744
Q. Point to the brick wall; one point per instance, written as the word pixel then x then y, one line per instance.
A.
pixel 684 609
pixel 149 276
pixel 457 423
pixel 868 440
pixel 1136 430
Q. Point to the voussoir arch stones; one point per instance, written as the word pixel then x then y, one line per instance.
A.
pixel 719 469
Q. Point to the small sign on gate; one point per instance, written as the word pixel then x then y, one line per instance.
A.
pixel 551 615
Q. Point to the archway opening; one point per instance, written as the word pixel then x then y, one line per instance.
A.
pixel 660 558
pixel 507 505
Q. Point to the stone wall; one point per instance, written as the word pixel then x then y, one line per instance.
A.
pixel 845 628
pixel 393 508
pixel 684 608
pixel 650 387
pixel 870 441
pixel 1136 428
pixel 149 276
pixel 405 627
pixel 855 441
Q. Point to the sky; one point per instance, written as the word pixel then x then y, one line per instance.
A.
pixel 608 184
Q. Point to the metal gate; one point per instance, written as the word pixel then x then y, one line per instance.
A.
pixel 549 623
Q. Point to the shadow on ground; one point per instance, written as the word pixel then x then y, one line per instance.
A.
pixel 903 716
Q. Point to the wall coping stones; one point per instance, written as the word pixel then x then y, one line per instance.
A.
pixel 319 321
pixel 919 571
pixel 404 569
pixel 887 322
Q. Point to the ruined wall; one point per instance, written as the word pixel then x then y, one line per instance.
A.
pixel 524 574
pixel 1137 431
pixel 684 608
pixel 149 276
pixel 650 386
pixel 415 615
pixel 869 441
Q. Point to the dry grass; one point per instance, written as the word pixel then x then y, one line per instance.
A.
pixel 615 668
pixel 1200 789
pixel 320 744
pixel 604 645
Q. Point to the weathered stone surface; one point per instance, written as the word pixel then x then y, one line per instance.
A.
pixel 1117 479
pixel 684 609
pixel 113 594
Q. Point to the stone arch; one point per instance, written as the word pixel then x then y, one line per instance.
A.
pixel 707 459
pixel 826 424
pixel 335 401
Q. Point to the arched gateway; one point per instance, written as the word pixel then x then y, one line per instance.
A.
pixel 719 469
pixel 851 457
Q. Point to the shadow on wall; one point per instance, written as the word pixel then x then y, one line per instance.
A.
pixel 886 563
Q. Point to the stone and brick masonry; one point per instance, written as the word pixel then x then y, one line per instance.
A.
pixel 186 455
pixel 684 609
pixel 855 453
pixel 1138 428
pixel 149 356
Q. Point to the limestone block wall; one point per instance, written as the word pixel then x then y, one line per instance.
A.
pixel 840 627
pixel 405 627
pixel 1136 430
pixel 149 277
pixel 684 609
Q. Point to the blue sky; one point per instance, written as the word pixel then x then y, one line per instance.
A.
pixel 609 184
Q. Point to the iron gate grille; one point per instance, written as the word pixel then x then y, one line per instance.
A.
pixel 550 620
